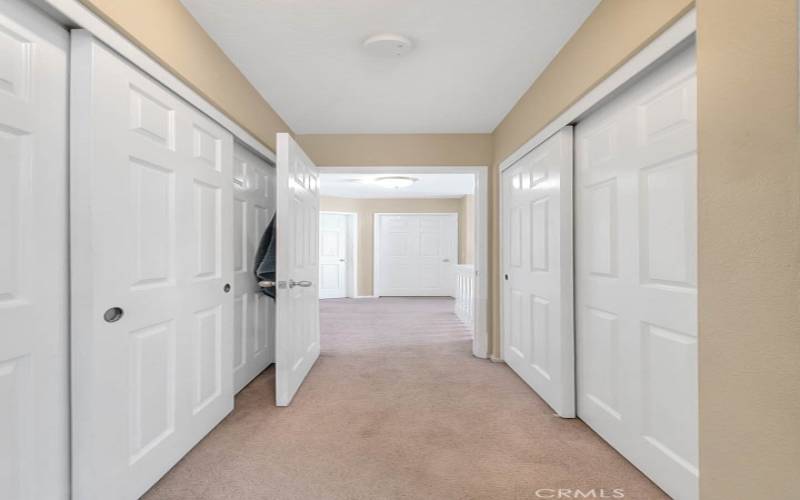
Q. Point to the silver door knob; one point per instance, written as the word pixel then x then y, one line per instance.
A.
pixel 266 284
pixel 445 260
pixel 341 260
pixel 304 283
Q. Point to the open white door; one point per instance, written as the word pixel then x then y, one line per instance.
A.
pixel 538 333
pixel 152 267
pixel 297 273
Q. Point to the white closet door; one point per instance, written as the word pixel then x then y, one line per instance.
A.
pixel 416 254
pixel 636 274
pixel 253 312
pixel 538 334
pixel 34 415
pixel 297 330
pixel 151 219
pixel 332 256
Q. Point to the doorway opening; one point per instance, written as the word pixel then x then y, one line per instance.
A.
pixel 402 236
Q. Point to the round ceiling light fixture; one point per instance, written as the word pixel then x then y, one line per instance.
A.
pixel 388 45
pixel 394 182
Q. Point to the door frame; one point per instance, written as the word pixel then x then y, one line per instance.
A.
pixel 480 338
pixel 376 242
pixel 351 251
pixel 672 39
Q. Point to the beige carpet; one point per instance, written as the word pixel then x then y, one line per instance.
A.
pixel 397 407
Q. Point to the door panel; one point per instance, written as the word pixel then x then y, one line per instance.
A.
pixel 151 219
pixel 254 313
pixel 333 233
pixel 636 268
pixel 297 311
pixel 537 287
pixel 416 254
pixel 34 405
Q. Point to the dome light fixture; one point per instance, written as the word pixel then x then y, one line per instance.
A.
pixel 394 182
pixel 388 45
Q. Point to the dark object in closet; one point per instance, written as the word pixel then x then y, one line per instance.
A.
pixel 265 258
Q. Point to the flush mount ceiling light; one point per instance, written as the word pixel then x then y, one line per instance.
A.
pixel 388 45
pixel 394 182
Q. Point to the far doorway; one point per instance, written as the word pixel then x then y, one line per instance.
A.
pixel 407 232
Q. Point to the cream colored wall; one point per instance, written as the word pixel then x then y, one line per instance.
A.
pixel 366 208
pixel 749 249
pixel 351 150
pixel 167 32
pixel 466 249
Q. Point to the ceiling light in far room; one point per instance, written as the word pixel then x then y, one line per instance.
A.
pixel 388 45
pixel 394 182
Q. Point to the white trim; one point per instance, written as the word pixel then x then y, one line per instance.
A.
pixel 351 260
pixel 79 16
pixel 672 37
pixel 480 342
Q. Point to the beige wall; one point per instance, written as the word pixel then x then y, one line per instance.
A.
pixel 167 32
pixel 366 210
pixel 749 249
pixel 466 233
pixel 370 150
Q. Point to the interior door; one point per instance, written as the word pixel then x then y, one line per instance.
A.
pixel 152 267
pixel 332 255
pixel 34 374
pixel 297 332
pixel 416 254
pixel 253 312
pixel 538 333
pixel 636 274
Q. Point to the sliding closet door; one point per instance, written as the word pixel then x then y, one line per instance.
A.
pixel 538 333
pixel 636 274
pixel 253 312
pixel 152 262
pixel 34 433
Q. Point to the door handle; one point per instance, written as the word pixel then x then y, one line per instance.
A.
pixel 303 283
pixel 445 260
pixel 341 260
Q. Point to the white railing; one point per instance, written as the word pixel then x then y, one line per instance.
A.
pixel 465 293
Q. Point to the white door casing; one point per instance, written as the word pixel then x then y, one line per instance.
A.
pixel 253 312
pixel 34 349
pixel 415 254
pixel 538 333
pixel 333 239
pixel 297 309
pixel 636 274
pixel 151 224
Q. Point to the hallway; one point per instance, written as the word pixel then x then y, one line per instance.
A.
pixel 397 407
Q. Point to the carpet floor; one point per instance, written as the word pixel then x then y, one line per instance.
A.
pixel 397 407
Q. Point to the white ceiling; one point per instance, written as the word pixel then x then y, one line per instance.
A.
pixel 427 186
pixel 472 60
